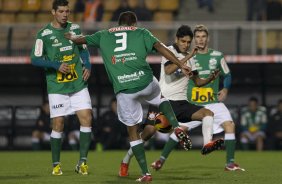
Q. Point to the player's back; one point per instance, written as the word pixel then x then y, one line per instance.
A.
pixel 124 50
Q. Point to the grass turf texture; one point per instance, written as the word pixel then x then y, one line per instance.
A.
pixel 182 167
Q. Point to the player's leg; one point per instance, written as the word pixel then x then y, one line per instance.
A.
pixel 56 140
pixel 81 104
pixel 223 121
pixel 206 116
pixel 59 107
pixel 130 113
pixel 165 107
pixel 146 134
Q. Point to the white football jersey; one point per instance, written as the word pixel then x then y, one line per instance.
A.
pixel 174 86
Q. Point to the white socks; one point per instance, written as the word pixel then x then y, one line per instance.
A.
pixel 207 129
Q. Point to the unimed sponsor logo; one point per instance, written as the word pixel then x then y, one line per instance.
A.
pixel 57 106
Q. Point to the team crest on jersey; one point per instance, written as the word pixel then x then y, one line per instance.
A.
pixel 46 32
pixel 216 53
pixel 212 63
pixel 56 43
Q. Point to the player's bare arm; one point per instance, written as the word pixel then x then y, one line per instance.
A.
pixel 169 69
pixel 171 57
pixel 86 74
pixel 199 82
pixel 77 39
pixel 222 94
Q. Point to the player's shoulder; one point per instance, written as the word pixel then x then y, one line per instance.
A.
pixel 45 31
pixel 73 26
pixel 215 53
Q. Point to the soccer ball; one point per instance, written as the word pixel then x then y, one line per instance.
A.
pixel 162 124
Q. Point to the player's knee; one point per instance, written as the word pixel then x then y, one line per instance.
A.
pixel 208 112
pixel 229 127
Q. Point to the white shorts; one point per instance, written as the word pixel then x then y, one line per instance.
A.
pixel 129 106
pixel 66 104
pixel 253 136
pixel 221 115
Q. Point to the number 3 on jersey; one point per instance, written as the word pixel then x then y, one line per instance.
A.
pixel 122 41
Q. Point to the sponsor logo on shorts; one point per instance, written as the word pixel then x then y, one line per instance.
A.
pixel 57 106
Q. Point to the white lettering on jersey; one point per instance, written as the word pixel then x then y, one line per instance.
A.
pixel 74 26
pixel 122 41
pixel 224 66
pixel 46 32
pixel 65 48
pixel 216 53
pixel 38 50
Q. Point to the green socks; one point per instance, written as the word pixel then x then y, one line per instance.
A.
pixel 139 153
pixel 167 110
pixel 169 146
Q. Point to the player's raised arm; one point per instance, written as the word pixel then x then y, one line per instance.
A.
pixel 199 82
pixel 77 39
pixel 171 57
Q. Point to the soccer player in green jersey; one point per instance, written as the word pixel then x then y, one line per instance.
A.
pixel 67 67
pixel 206 60
pixel 124 50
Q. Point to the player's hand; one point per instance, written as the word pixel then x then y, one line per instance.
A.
pixel 186 70
pixel 214 74
pixel 86 74
pixel 68 35
pixel 64 68
pixel 222 94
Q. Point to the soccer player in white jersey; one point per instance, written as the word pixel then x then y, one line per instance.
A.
pixel 206 60
pixel 173 85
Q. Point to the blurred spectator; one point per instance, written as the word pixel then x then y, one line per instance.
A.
pixel 206 3
pixel 73 131
pixel 273 10
pixel 112 134
pixel 142 13
pixel 94 11
pixel 256 10
pixel 275 127
pixel 123 7
pixel 79 6
pixel 253 123
pixel 42 129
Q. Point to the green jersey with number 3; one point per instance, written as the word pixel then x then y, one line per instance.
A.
pixel 52 46
pixel 124 50
pixel 205 64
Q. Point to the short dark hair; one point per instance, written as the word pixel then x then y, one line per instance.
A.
pixel 184 30
pixel 127 18
pixel 57 3
pixel 253 99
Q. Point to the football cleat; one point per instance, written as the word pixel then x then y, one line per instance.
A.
pixel 82 168
pixel 57 170
pixel 123 170
pixel 211 146
pixel 184 139
pixel 145 178
pixel 233 167
pixel 157 165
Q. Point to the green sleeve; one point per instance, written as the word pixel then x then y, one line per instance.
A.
pixel 94 39
pixel 150 40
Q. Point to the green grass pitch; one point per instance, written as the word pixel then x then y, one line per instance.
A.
pixel 182 167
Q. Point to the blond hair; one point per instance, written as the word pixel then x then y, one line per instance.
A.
pixel 201 27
